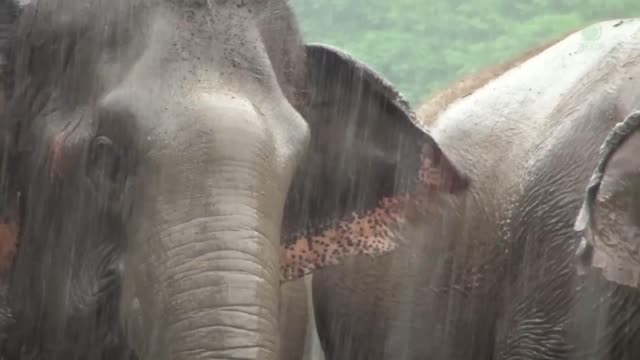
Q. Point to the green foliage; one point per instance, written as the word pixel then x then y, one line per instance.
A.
pixel 421 46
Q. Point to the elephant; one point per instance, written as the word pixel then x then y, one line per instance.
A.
pixel 494 273
pixel 168 164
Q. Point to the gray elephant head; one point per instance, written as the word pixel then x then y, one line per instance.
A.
pixel 609 221
pixel 167 158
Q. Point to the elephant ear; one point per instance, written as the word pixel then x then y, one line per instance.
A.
pixel 609 221
pixel 369 162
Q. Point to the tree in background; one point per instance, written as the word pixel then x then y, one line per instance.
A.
pixel 421 46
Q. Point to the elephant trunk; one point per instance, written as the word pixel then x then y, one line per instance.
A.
pixel 202 278
pixel 215 296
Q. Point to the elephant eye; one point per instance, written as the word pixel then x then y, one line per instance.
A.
pixel 105 161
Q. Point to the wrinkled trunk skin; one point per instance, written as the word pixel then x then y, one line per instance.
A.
pixel 215 297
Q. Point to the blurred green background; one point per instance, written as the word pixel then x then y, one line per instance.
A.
pixel 423 45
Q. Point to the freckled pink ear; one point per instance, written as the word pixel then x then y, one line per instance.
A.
pixel 374 233
pixel 367 164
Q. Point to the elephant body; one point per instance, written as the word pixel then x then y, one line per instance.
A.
pixel 492 274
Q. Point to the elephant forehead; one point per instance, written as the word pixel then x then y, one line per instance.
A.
pixel 161 65
pixel 258 38
pixel 69 14
pixel 74 13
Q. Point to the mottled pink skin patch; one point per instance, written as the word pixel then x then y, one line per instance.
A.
pixel 377 232
pixel 373 234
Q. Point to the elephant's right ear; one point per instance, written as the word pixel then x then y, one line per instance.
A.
pixel 368 160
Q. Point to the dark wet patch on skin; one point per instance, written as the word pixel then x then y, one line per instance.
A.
pixel 374 233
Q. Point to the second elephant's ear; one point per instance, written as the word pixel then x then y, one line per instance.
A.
pixel 368 159
pixel 609 221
